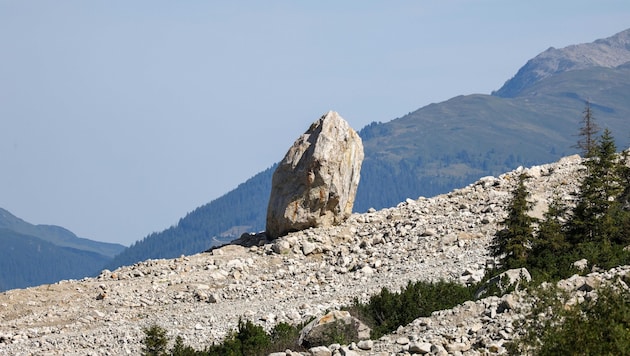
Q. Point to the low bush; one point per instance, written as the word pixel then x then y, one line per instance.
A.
pixel 248 340
pixel 387 310
pixel 598 326
pixel 155 341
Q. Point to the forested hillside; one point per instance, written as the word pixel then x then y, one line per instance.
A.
pixel 448 145
pixel 35 254
pixel 29 261
pixel 57 235
pixel 243 209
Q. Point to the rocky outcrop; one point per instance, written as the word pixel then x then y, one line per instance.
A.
pixel 316 182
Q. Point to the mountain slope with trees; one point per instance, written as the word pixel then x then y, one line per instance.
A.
pixel 442 146
pixel 27 261
pixel 36 254
pixel 58 235
pixel 244 209
pixel 450 144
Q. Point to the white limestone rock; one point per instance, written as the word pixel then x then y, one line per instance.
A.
pixel 316 182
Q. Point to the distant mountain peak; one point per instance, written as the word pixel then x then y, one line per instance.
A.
pixel 608 52
pixel 9 220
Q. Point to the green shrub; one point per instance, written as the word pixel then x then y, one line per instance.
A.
pixel 155 341
pixel 386 311
pixel 249 339
pixel 179 349
pixel 597 326
pixel 285 336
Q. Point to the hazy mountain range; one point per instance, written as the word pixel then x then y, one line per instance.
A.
pixel 533 119
pixel 37 254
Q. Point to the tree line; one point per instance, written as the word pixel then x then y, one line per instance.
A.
pixel 596 227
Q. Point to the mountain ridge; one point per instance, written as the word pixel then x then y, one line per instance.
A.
pixel 36 254
pixel 27 261
pixel 57 235
pixel 607 52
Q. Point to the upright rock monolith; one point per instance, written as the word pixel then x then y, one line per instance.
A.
pixel 316 182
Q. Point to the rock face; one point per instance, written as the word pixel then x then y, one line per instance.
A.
pixel 316 182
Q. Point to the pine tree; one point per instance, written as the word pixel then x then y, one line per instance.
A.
pixel 550 245
pixel 588 133
pixel 511 243
pixel 623 199
pixel 180 349
pixel 593 219
pixel 155 341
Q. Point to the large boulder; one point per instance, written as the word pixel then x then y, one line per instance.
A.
pixel 336 326
pixel 316 182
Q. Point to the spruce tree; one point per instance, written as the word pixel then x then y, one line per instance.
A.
pixel 588 133
pixel 594 214
pixel 155 340
pixel 511 243
pixel 550 245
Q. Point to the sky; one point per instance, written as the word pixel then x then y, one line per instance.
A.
pixel 117 118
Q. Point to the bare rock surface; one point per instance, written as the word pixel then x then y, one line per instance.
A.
pixel 316 182
pixel 297 277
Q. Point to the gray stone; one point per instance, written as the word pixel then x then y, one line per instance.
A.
pixel 320 351
pixel 268 288
pixel 365 344
pixel 581 265
pixel 281 247
pixel 316 182
pixel 457 347
pixel 345 351
pixel 508 302
pixel 420 347
pixel 308 248
pixel 590 284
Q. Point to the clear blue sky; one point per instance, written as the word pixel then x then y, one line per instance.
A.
pixel 119 117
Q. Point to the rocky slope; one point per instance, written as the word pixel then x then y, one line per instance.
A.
pixel 201 297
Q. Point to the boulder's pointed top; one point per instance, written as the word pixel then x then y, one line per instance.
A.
pixel 331 115
pixel 330 121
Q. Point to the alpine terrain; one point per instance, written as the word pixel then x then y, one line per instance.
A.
pixel 533 119
pixel 201 297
